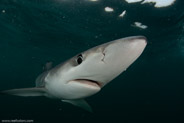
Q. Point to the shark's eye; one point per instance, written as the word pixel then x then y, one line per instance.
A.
pixel 79 59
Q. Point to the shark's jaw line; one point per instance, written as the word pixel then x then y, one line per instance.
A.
pixel 88 82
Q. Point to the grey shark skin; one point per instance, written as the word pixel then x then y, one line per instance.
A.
pixel 86 73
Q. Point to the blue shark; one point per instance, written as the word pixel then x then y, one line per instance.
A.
pixel 86 73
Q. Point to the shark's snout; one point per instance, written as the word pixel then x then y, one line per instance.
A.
pixel 123 49
pixel 138 39
pixel 118 55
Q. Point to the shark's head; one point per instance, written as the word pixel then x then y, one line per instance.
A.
pixel 86 73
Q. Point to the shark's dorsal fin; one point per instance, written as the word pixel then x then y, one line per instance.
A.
pixel 47 66
pixel 80 103
pixel 26 92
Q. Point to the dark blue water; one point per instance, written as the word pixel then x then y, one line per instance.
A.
pixel 33 32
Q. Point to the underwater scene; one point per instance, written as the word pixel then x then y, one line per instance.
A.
pixel 39 36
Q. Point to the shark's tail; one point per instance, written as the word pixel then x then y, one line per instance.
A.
pixel 26 92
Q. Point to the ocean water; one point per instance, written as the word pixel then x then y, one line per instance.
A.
pixel 33 32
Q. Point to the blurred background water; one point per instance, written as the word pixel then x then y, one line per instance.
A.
pixel 33 32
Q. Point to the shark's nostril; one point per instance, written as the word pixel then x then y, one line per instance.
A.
pixel 103 57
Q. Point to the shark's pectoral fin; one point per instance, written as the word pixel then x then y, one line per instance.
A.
pixel 80 103
pixel 26 92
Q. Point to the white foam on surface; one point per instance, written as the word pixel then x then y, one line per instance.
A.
pixel 140 25
pixel 108 9
pixel 122 14
pixel 133 1
pixel 158 3
pixel 93 0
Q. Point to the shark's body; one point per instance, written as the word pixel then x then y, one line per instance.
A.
pixel 86 73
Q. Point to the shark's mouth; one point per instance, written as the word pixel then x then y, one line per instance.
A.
pixel 89 82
